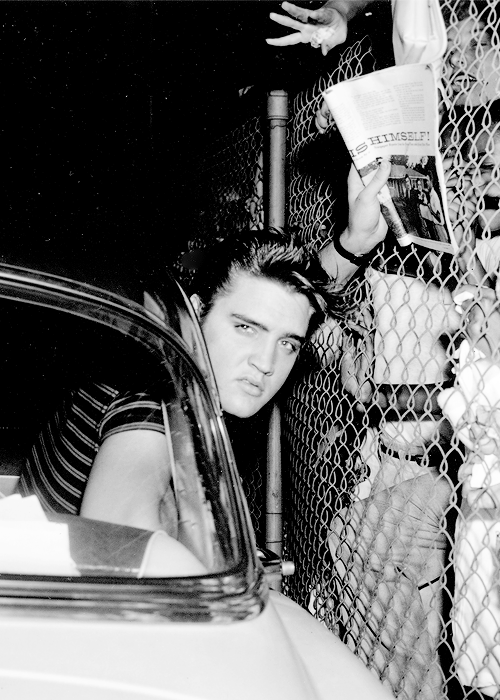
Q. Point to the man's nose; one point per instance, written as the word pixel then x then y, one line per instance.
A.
pixel 478 179
pixel 263 358
pixel 457 59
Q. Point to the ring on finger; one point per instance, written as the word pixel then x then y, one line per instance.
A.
pixel 320 35
pixel 314 41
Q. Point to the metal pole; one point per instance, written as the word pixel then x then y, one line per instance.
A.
pixel 277 115
pixel 274 509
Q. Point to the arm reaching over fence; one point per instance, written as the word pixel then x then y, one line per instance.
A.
pixel 367 228
pixel 325 27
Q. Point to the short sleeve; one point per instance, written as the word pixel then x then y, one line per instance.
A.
pixel 132 411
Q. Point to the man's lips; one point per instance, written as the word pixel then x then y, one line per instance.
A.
pixel 459 79
pixel 251 386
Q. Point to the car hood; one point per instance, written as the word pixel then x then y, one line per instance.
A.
pixel 64 659
pixel 282 653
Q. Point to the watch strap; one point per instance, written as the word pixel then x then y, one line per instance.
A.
pixel 352 257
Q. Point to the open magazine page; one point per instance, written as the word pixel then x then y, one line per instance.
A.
pixel 393 114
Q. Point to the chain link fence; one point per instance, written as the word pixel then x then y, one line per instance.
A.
pixel 226 190
pixel 393 553
pixel 226 197
pixel 392 496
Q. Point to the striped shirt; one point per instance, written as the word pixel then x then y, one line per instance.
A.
pixel 61 459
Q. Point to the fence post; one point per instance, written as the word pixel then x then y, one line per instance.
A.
pixel 274 534
pixel 277 116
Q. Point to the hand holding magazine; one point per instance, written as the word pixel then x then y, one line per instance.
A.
pixel 393 114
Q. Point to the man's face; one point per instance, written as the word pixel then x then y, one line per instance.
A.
pixel 253 335
pixel 485 166
pixel 472 67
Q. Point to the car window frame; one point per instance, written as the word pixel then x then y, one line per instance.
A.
pixel 233 594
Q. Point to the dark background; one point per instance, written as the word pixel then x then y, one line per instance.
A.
pixel 106 104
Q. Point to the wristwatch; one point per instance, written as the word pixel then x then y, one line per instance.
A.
pixel 352 257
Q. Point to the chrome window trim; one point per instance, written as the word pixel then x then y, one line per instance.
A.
pixel 236 594
pixel 230 597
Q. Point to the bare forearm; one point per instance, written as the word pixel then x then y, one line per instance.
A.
pixel 338 267
pixel 365 231
pixel 348 8
pixel 325 27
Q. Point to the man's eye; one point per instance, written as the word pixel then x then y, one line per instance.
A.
pixel 482 45
pixel 244 328
pixel 487 168
pixel 290 347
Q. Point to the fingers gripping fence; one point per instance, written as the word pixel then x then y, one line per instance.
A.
pixel 391 434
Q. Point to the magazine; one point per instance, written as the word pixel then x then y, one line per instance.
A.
pixel 393 114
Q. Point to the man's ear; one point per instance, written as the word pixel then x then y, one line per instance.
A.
pixel 197 304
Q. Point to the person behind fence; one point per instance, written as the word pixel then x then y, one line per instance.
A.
pixel 472 405
pixel 260 299
pixel 481 159
pixel 472 66
pixel 417 310
pixel 388 547
pixel 473 408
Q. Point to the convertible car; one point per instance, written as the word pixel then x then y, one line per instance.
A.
pixel 96 610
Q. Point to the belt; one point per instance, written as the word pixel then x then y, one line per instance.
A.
pixel 400 402
pixel 432 457
pixel 401 454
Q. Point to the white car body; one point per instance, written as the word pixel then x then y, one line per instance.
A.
pixel 220 636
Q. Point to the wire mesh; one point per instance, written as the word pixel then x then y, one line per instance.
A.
pixel 226 189
pixel 227 197
pixel 393 507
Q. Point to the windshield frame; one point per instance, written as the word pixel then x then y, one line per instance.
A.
pixel 233 594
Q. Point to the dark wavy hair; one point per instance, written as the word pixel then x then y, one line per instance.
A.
pixel 270 255
pixel 464 9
